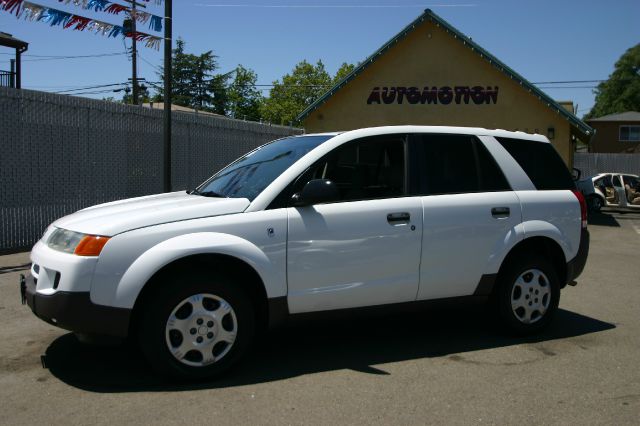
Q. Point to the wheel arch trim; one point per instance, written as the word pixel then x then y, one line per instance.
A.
pixel 522 236
pixel 540 228
pixel 145 267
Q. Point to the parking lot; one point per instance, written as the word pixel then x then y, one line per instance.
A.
pixel 442 366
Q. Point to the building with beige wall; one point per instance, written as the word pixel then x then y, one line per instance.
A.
pixel 432 74
pixel 616 133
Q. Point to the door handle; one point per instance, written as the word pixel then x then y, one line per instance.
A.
pixel 499 212
pixel 400 217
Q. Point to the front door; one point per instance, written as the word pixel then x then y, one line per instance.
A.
pixel 364 248
pixel 632 191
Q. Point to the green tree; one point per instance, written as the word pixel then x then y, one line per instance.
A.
pixel 344 70
pixel 297 90
pixel 143 95
pixel 193 81
pixel 245 99
pixel 621 92
pixel 219 86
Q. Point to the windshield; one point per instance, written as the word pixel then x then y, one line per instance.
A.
pixel 251 174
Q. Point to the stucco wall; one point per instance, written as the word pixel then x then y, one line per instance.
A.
pixel 607 137
pixel 429 57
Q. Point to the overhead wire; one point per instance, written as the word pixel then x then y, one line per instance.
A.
pixel 149 63
pixel 90 87
pixel 56 58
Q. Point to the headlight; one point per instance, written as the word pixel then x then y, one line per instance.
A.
pixel 76 242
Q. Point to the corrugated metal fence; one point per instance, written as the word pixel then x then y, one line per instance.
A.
pixel 59 154
pixel 592 163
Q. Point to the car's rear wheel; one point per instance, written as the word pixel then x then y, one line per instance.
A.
pixel 528 294
pixel 196 327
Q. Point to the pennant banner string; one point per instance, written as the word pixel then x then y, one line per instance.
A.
pixel 155 22
pixel 37 13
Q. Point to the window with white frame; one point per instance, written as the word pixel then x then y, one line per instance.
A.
pixel 630 133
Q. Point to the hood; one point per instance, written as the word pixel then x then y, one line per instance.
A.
pixel 119 216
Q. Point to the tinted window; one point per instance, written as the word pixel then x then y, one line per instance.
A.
pixel 541 163
pixel 365 169
pixel 491 177
pixel 251 174
pixel 616 181
pixel 452 164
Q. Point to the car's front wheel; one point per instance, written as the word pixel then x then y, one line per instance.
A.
pixel 528 294
pixel 595 203
pixel 196 327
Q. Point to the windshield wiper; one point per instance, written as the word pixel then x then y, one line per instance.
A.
pixel 207 193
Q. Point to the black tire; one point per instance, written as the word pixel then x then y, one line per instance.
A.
pixel 512 318
pixel 171 293
pixel 595 203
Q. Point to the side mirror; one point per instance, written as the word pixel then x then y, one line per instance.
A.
pixel 576 173
pixel 316 191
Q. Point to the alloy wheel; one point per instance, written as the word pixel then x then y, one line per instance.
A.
pixel 530 296
pixel 201 330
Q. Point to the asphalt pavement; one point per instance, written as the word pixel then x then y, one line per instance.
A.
pixel 442 366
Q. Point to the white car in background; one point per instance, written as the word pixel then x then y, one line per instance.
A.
pixel 312 223
pixel 613 190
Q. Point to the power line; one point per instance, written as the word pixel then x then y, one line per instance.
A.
pixel 331 85
pixel 91 93
pixel 63 56
pixel 91 87
pixel 264 87
pixel 335 6
pixel 148 62
pixel 55 58
pixel 69 86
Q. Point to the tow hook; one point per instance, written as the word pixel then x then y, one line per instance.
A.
pixel 23 289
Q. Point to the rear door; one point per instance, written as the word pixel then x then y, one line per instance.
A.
pixel 620 194
pixel 469 212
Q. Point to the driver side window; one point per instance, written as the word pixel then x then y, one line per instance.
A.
pixel 368 168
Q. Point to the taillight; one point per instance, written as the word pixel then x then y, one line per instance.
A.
pixel 583 206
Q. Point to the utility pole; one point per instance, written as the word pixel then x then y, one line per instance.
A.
pixel 134 52
pixel 167 94
pixel 134 56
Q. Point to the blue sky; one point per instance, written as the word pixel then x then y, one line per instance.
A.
pixel 542 40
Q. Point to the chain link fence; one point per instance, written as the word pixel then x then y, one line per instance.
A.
pixel 591 164
pixel 60 154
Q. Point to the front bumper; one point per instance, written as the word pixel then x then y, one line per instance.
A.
pixel 74 311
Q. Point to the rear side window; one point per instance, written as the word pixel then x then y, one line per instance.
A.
pixel 454 164
pixel 541 163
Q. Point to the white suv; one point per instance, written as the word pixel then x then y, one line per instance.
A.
pixel 320 222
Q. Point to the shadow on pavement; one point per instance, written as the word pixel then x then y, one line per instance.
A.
pixel 307 347
pixel 15 268
pixel 602 219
